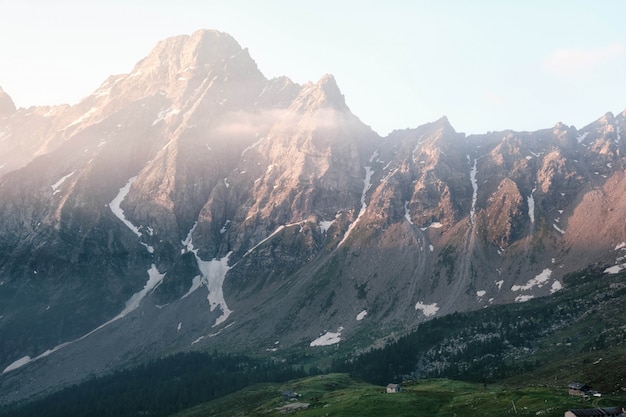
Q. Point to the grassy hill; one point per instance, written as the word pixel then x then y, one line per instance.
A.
pixel 339 395
pixel 577 334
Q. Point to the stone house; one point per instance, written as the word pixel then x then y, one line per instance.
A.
pixel 576 388
pixel 393 388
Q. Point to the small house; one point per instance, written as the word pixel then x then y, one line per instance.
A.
pixel 576 388
pixel 393 388
pixel 288 395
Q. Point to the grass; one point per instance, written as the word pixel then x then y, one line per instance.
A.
pixel 338 395
pixel 589 346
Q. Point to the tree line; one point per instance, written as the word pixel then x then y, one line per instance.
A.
pixel 501 341
pixel 160 387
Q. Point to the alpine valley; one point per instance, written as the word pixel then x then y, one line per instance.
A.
pixel 194 205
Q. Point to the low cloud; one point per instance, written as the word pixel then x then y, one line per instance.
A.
pixel 578 62
pixel 245 124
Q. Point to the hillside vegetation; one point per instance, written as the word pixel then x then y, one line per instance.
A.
pixel 508 359
pixel 575 334
pixel 339 395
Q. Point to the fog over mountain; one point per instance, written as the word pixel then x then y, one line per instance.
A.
pixel 194 204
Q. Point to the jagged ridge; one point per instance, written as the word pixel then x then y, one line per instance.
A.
pixel 194 203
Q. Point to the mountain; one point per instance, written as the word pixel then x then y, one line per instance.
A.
pixel 193 204
pixel 7 107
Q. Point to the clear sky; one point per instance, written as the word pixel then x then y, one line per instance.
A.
pixel 485 64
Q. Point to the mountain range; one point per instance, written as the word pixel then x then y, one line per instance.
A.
pixel 194 204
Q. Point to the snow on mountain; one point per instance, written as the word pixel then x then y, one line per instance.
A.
pixel 428 309
pixel 328 338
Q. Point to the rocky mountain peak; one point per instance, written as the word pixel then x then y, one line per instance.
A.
pixel 607 119
pixel 182 64
pixel 201 48
pixel 440 136
pixel 323 94
pixel 444 125
pixel 6 104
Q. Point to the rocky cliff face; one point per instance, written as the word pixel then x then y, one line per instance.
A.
pixel 193 203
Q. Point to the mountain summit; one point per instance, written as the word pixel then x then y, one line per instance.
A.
pixel 194 204
pixel 7 106
pixel 323 94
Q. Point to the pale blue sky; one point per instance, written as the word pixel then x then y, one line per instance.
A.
pixel 487 65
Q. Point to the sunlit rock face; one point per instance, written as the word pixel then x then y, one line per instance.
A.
pixel 7 107
pixel 194 204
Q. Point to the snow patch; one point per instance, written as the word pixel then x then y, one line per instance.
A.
pixel 361 315
pixel 212 275
pixel 328 338
pixel 620 246
pixel 278 229
pixel 57 184
pixel 538 281
pixel 431 247
pixel 473 173
pixel 254 145
pixel 407 212
pixel 428 309
pixel 367 183
pixel 164 115
pixel 523 298
pixel 325 225
pixel 197 340
pixel 481 293
pixel 433 225
pixel 115 206
pixel 531 206
pixel 417 145
pixel 154 280
pixel 17 364
pixel 582 137
pixel 556 286
pixel 616 269
pixel 558 229
pixel 500 284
